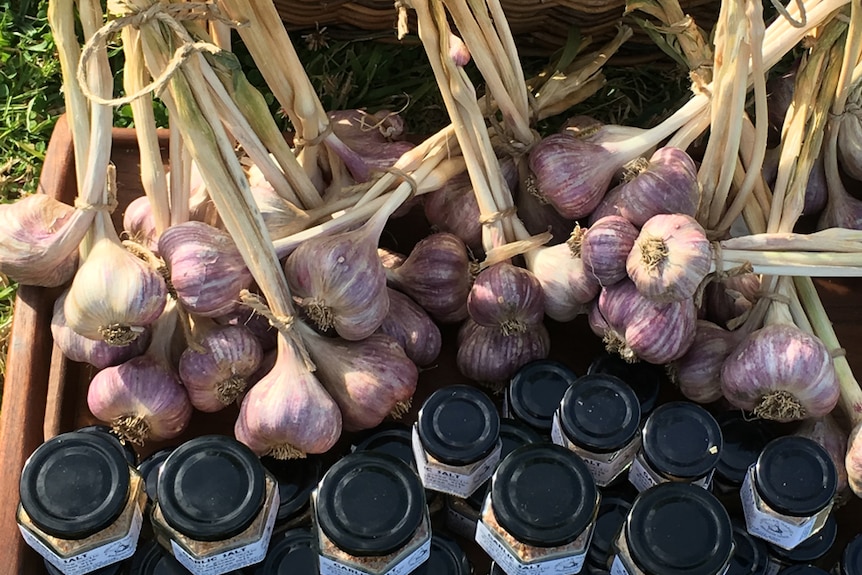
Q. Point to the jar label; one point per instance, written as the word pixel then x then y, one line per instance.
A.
pixel 452 480
pixel 642 476
pixel 604 467
pixel 766 523
pixel 460 524
pixel 618 567
pixel 234 558
pixel 404 567
pixel 95 558
pixel 502 556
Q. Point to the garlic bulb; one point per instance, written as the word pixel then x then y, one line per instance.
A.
pixel 850 135
pixel 486 354
pixel 138 223
pixel 853 460
pixel 39 238
pixel 670 258
pixel 782 373
pixel 410 326
pixel 730 297
pixel 605 247
pixel 506 297
pixel 258 325
pixel 566 283
pixel 698 372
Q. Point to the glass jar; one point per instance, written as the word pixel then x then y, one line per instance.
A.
pixel 743 440
pixel 216 505
pixel 292 553
pixel 535 391
pixel 82 504
pixel 681 443
pixel 149 469
pixel 674 529
pixel 296 479
pixel 612 514
pixel 540 512
pixel 803 570
pixel 644 378
pixel 114 569
pixel 750 556
pixel 153 559
pixel 125 447
pixel 785 512
pixel 599 419
pixel 456 440
pixel 810 551
pixel 446 558
pixel 371 517
pixel 851 558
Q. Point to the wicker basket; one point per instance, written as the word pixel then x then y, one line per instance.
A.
pixel 540 26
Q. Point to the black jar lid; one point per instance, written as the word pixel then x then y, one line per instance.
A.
pixel 612 514
pixel 678 529
pixel 75 485
pixel 446 558
pixel 802 570
pixel 114 569
pixel 392 439
pixel 750 556
pixel 149 469
pixel 743 440
pixel 211 488
pixel 812 548
pixel 296 479
pixel 644 378
pixel 851 558
pixel 458 425
pixel 152 559
pixel 370 504
pixel 496 570
pixel 795 476
pixel 600 413
pixel 535 392
pixel 294 553
pixel 682 440
pixel 543 495
pixel 125 447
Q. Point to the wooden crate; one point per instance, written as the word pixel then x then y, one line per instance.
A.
pixel 45 394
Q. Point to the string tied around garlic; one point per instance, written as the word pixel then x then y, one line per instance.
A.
pixel 283 323
pixel 299 142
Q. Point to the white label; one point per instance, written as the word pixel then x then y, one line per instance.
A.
pixel 771 526
pixel 557 436
pixel 94 558
pixel 460 524
pixel 705 481
pixel 569 565
pixel 234 558
pixel 404 567
pixel 641 476
pixel 618 567
pixel 448 479
pixel 604 467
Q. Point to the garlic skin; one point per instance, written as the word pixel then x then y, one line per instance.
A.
pixel 39 238
pixel 605 248
pixel 670 258
pixel 698 372
pixel 94 352
pixel 215 377
pixel 842 211
pixel 597 322
pixel 730 297
pixel 486 354
pixel 850 136
pixel 782 373
pixel 567 285
pixel 280 217
pixel 139 225
pixel 389 259
pixel 409 325
pixel 507 297
pixel 288 413
pixel 829 435
pixel 436 275
pixel 258 325
pixel 853 460
pixel 458 51
pixel 206 269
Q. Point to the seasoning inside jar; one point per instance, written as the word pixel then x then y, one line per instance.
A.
pixel 681 443
pixel 296 479
pixel 788 493
pixel 851 558
pixel 743 440
pixel 153 559
pixel 446 558
pixel 371 517
pixel 535 391
pixel 810 551
pixel 750 556
pixel 125 447
pixel 539 514
pixel 612 514
pixel 674 529
pixel 644 378
pixel 292 553
pixel 216 505
pixel 81 504
pixel 456 440
pixel 599 419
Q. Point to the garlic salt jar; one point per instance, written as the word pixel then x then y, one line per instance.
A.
pixel 599 419
pixel 370 517
pixel 788 493
pixel 216 505
pixel 539 515
pixel 456 440
pixel 81 503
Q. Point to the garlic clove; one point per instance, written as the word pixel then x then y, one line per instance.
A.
pixel 605 246
pixel 453 209
pixel 412 328
pixel 507 297
pixel 486 354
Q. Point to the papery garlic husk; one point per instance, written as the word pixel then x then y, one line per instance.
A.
pixel 115 294
pixel 39 238
pixel 206 269
pixel 97 353
pixel 730 298
pixel 853 460
pixel 605 247
pixel 642 328
pixel 664 184
pixel 369 379
pixel 486 354
pixel 258 325
pixel 217 374
pixel 288 414
pixel 567 285
pixel 436 275
pixel 829 435
pixel 850 137
pixel 670 258
pixel 139 225
pixel 390 259
pixel 594 131
pixel 782 373
pixel 409 325
pixel 698 372
pixel 280 216
pixel 507 297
